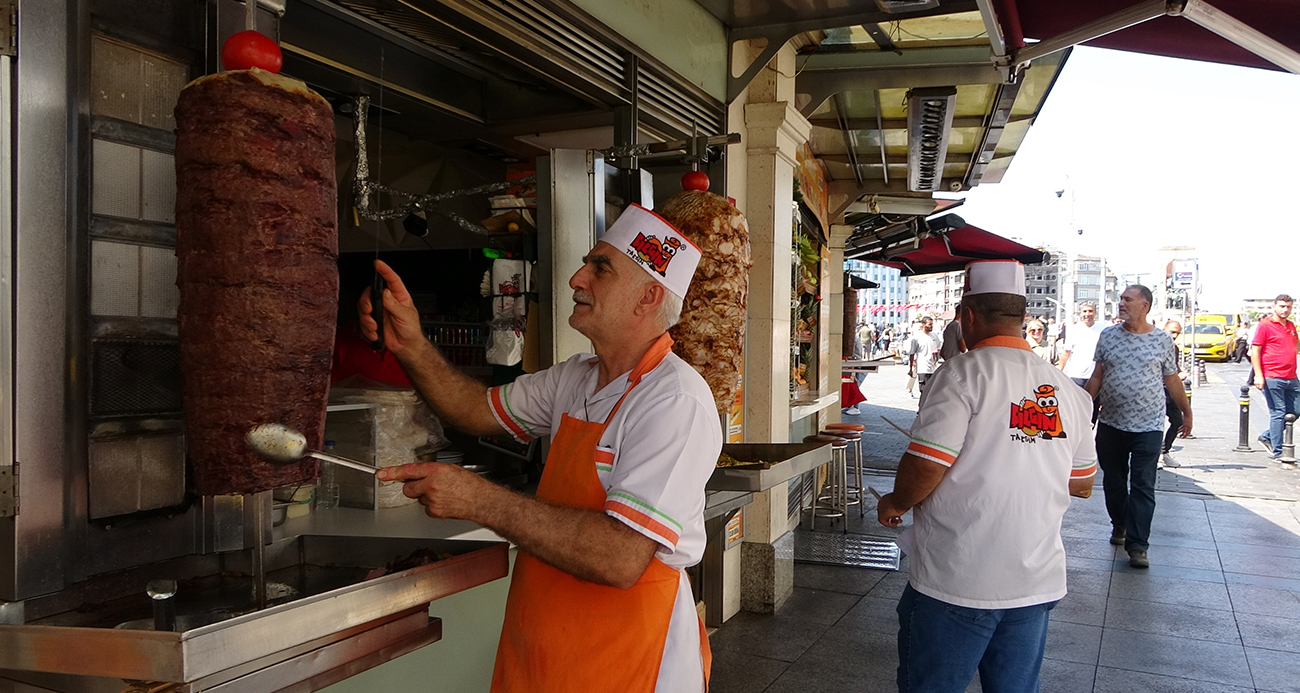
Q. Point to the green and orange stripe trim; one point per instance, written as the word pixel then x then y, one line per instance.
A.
pixel 500 405
pixel 934 452
pixel 644 517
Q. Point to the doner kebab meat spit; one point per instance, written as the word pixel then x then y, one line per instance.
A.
pixel 257 246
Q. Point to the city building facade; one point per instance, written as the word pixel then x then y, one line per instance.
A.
pixel 886 304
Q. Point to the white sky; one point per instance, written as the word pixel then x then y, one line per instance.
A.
pixel 1161 152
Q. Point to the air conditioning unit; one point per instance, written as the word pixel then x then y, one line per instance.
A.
pixel 929 124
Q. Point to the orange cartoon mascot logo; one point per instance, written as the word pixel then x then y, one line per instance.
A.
pixel 654 253
pixel 1039 417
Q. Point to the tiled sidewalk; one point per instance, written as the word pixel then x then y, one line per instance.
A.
pixel 1219 610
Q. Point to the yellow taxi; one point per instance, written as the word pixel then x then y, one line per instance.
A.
pixel 1214 338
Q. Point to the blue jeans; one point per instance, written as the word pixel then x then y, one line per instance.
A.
pixel 941 646
pixel 1283 397
pixel 1129 458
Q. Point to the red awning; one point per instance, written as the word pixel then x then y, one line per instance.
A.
pixel 1172 36
pixel 962 246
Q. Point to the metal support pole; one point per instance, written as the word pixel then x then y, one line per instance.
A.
pixel 1288 442
pixel 1243 421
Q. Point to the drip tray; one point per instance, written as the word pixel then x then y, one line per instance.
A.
pixel 837 548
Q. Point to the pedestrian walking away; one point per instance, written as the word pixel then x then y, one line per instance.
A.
pixel 1000 425
pixel 1273 363
pixel 1175 415
pixel 1135 366
pixel 953 344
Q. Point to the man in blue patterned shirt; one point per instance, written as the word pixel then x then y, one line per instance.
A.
pixel 1135 363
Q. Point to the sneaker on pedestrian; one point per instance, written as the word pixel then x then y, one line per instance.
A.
pixel 1138 559
pixel 852 411
pixel 1265 443
pixel 1117 536
pixel 1169 461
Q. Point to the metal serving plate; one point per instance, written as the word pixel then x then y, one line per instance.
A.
pixel 326 593
pixel 788 461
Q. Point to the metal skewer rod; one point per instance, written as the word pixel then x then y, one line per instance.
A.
pixel 342 461
pixel 259 502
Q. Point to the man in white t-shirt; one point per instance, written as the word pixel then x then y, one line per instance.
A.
pixel 923 352
pixel 599 600
pixel 1001 442
pixel 1080 342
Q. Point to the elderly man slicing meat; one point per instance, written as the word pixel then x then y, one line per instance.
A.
pixel 598 600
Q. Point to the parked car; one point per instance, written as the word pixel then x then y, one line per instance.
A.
pixel 1215 339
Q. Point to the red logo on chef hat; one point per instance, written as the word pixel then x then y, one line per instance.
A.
pixel 654 253
pixel 1039 417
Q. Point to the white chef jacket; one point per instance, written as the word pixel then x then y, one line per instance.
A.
pixel 653 460
pixel 1013 431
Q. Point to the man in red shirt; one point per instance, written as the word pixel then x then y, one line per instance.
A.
pixel 1273 356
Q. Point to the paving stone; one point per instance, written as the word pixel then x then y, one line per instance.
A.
pixel 872 613
pixel 1085 581
pixel 1082 608
pixel 1274 670
pixel 736 672
pixel 837 578
pixel 1165 590
pixel 1172 619
pixel 774 636
pixel 822 606
pixel 1058 676
pixel 1268 632
pixel 1251 599
pixel 1123 681
pixel 1073 642
pixel 1170 656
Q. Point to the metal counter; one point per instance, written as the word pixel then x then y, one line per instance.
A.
pixel 788 460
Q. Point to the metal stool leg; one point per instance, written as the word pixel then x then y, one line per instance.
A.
pixel 857 477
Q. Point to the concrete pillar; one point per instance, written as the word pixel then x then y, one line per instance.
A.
pixel 834 364
pixel 774 129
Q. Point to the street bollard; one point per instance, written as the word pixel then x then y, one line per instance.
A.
pixel 1243 425
pixel 1288 443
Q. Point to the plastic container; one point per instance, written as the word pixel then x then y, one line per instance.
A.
pixel 327 490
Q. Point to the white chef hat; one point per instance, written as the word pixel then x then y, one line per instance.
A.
pixel 994 277
pixel 655 245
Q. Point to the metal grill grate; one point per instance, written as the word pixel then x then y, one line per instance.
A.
pixel 135 378
pixel 835 548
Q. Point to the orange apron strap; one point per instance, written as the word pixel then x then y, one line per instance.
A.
pixel 706 654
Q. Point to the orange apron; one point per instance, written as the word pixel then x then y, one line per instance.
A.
pixel 566 634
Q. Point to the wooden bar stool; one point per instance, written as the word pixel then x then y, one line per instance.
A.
pixel 836 498
pixel 855 441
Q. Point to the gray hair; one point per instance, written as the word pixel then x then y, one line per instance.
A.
pixel 670 311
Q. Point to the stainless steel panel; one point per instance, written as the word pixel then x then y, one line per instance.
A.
pixel 134 85
pixel 159 295
pixel 162 80
pixel 115 186
pixel 566 218
pixel 788 461
pixel 194 654
pixel 114 79
pixel 114 279
pixel 136 473
pixel 6 266
pixel 32 558
pixel 157 187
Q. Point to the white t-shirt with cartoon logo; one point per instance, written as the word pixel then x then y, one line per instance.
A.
pixel 1013 431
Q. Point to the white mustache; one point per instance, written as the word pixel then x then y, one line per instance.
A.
pixel 581 296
